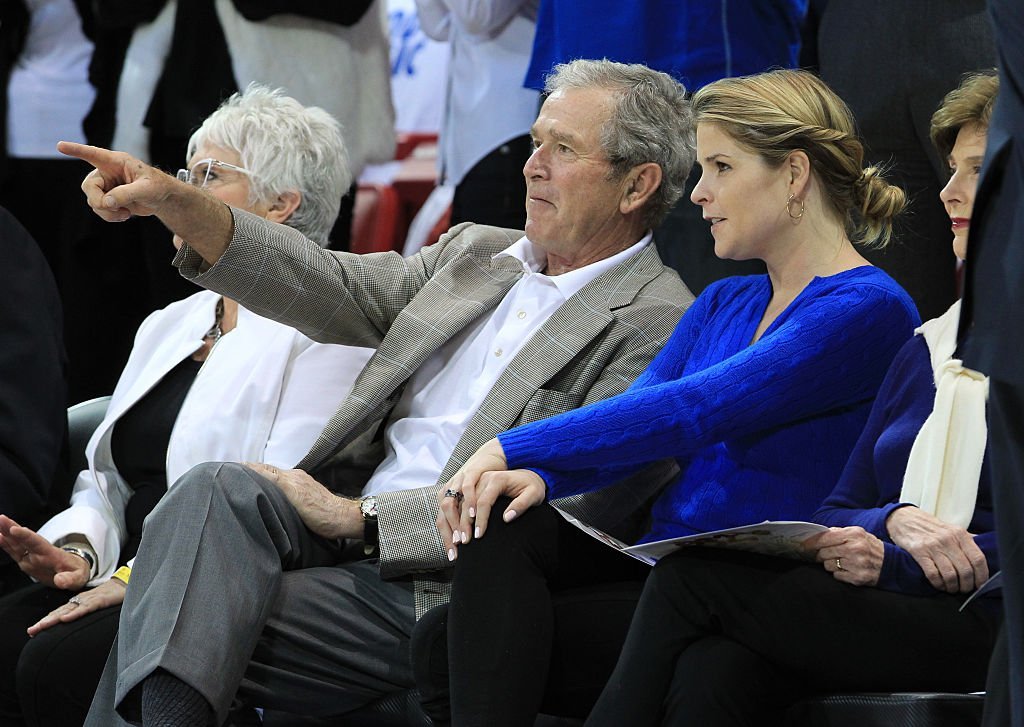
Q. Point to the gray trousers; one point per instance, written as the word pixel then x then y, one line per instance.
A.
pixel 234 596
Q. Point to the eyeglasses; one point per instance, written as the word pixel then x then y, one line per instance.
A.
pixel 204 172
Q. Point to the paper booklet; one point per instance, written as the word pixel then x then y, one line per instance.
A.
pixel 771 537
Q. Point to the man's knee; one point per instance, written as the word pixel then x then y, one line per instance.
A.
pixel 204 486
pixel 230 480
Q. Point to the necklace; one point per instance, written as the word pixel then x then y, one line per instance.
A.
pixel 216 331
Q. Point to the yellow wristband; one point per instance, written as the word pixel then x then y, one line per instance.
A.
pixel 123 574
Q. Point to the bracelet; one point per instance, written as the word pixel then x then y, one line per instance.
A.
pixel 123 574
pixel 83 554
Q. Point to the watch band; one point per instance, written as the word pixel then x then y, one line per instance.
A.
pixel 368 509
pixel 83 554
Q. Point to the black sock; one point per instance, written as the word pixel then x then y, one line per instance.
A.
pixel 169 702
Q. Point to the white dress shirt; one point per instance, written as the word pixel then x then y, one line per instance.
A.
pixel 446 391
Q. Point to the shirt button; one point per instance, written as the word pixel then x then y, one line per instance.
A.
pixel 497 352
pixel 521 315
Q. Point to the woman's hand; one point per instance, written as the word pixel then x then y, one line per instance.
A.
pixel 947 554
pixel 852 555
pixel 482 480
pixel 38 558
pixel 108 594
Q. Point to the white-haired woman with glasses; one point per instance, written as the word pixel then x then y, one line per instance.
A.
pixel 206 380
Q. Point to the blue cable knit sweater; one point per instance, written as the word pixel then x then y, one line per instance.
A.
pixel 870 486
pixel 760 431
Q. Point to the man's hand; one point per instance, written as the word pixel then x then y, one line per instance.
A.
pixel 852 555
pixel 39 559
pixel 947 554
pixel 323 512
pixel 105 595
pixel 120 185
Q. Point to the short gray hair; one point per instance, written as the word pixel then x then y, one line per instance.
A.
pixel 287 147
pixel 651 122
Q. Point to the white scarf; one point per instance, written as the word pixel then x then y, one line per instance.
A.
pixel 945 462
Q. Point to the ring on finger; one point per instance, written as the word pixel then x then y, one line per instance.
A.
pixel 75 600
pixel 452 493
pixel 839 564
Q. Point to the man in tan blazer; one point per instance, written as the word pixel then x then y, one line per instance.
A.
pixel 241 573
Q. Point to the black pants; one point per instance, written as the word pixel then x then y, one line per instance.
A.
pixel 493 192
pixel 501 619
pixel 49 680
pixel 727 638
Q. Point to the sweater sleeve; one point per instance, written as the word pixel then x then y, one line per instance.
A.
pixel 869 488
pixel 901 573
pixel 666 366
pixel 829 354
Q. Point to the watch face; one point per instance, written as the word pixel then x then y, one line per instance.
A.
pixel 368 506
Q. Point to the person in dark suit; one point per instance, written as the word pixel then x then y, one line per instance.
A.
pixel 33 418
pixel 990 326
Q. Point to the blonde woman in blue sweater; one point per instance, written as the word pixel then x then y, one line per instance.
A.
pixel 912 532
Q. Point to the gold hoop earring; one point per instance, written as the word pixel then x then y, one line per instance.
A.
pixel 789 207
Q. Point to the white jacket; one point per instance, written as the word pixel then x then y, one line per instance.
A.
pixel 263 395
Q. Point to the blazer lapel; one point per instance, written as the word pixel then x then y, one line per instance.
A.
pixel 572 327
pixel 457 295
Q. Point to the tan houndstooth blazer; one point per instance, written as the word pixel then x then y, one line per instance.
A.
pixel 592 347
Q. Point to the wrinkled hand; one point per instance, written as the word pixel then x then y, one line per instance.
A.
pixel 482 480
pixel 852 555
pixel 39 559
pixel 947 554
pixel 120 185
pixel 105 595
pixel 323 512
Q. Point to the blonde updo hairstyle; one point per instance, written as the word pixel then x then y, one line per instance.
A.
pixel 775 113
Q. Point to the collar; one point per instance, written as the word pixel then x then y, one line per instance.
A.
pixel 534 260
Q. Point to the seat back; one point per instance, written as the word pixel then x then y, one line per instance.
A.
pixel 375 219
pixel 83 418
pixel 888 710
pixel 407 142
